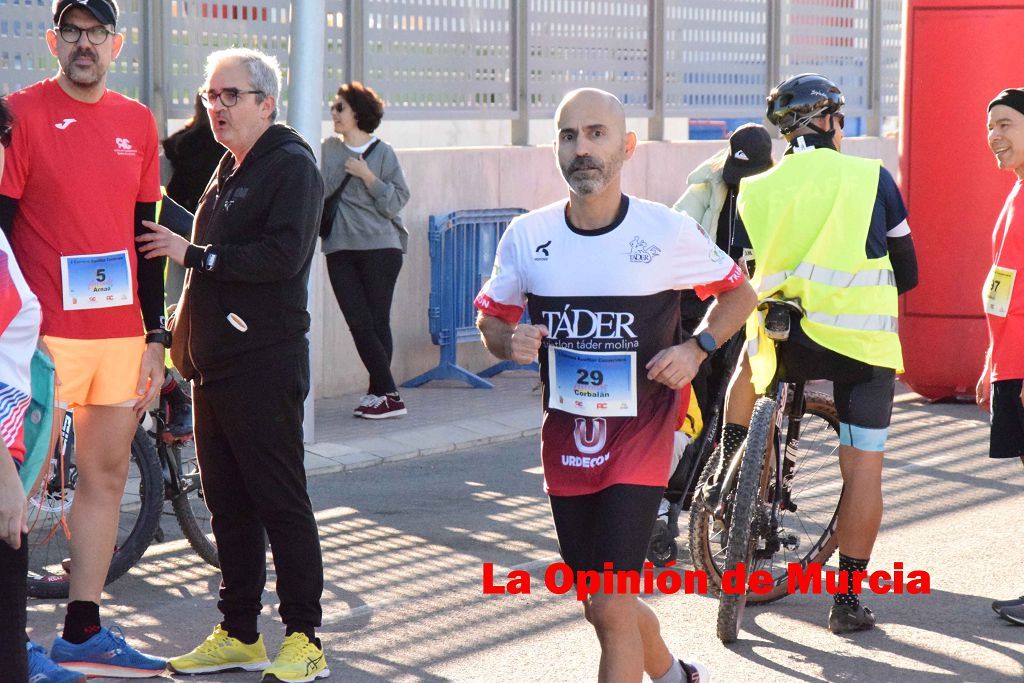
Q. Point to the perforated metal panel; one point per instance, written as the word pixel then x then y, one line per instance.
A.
pixel 578 43
pixel 441 55
pixel 889 69
pixel 195 28
pixel 454 58
pixel 716 57
pixel 830 37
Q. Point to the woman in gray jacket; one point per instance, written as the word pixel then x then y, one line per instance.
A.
pixel 367 239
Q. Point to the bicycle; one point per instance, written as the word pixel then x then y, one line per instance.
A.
pixel 780 500
pixel 161 468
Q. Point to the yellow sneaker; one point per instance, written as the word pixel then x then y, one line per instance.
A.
pixel 299 661
pixel 221 652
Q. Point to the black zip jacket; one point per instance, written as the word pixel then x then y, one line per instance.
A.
pixel 254 237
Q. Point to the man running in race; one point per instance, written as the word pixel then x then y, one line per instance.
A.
pixel 81 175
pixel 830 231
pixel 601 274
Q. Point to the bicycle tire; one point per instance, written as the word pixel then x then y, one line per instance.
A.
pixel 708 537
pixel 195 527
pixel 820 532
pixel 750 485
pixel 139 516
pixel 704 534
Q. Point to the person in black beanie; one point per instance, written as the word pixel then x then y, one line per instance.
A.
pixel 1000 385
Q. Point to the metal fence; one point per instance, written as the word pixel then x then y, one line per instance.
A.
pixel 509 59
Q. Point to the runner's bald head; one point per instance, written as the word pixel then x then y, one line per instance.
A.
pixel 593 106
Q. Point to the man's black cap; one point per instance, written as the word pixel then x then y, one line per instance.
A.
pixel 105 11
pixel 750 152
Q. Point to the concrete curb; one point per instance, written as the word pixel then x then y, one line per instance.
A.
pixel 328 457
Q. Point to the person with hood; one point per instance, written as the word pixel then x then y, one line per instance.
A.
pixel 245 323
pixel 710 199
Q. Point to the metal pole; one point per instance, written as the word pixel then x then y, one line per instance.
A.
pixel 656 125
pixel 305 113
pixel 520 72
pixel 773 38
pixel 355 42
pixel 874 117
pixel 154 66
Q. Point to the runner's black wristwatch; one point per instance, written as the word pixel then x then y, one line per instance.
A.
pixel 706 342
pixel 159 337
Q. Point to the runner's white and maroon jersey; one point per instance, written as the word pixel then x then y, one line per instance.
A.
pixel 613 291
pixel 20 316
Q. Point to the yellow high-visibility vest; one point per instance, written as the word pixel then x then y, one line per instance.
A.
pixel 808 220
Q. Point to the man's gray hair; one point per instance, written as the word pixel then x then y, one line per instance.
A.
pixel 264 71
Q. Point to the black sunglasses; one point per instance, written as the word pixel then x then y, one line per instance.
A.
pixel 5 135
pixel 839 118
pixel 338 107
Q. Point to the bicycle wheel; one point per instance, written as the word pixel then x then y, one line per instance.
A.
pixel 189 506
pixel 746 509
pixel 49 573
pixel 805 532
pixel 707 536
pixel 816 486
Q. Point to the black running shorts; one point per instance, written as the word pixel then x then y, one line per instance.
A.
pixel 1007 420
pixel 613 525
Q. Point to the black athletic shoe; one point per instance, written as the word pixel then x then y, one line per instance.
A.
pixel 844 619
pixel 1001 604
pixel 695 672
pixel 1013 614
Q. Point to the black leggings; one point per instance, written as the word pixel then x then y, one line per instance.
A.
pixel 364 284
pixel 613 525
pixel 13 596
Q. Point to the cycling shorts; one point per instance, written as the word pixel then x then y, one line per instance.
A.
pixel 96 372
pixel 612 525
pixel 863 393
pixel 1007 439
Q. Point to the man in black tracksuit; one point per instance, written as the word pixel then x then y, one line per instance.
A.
pixel 246 289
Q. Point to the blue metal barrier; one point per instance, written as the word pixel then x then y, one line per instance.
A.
pixel 462 246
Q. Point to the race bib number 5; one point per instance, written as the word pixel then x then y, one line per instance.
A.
pixel 592 384
pixel 998 289
pixel 96 281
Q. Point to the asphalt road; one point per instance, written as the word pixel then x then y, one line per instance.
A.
pixel 404 546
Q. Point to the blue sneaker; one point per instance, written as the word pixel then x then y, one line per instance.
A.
pixel 106 654
pixel 41 668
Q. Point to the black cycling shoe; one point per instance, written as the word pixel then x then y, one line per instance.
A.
pixel 1013 614
pixel 1001 604
pixel 844 619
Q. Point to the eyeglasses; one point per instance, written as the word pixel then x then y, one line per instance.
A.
pixel 70 33
pixel 839 118
pixel 338 107
pixel 228 96
pixel 5 135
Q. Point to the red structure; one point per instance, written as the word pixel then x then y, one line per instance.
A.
pixel 957 54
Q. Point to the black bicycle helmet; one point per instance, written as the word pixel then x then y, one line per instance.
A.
pixel 798 99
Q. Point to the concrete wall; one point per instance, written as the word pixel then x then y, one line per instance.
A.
pixel 445 180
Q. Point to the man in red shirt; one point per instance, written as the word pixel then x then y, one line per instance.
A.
pixel 81 176
pixel 1000 386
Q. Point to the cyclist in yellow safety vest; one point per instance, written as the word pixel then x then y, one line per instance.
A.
pixel 829 231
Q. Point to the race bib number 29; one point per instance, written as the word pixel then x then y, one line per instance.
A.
pixel 96 281
pixel 998 288
pixel 592 384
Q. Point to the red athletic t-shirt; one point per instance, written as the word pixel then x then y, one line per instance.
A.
pixel 1006 332
pixel 77 171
